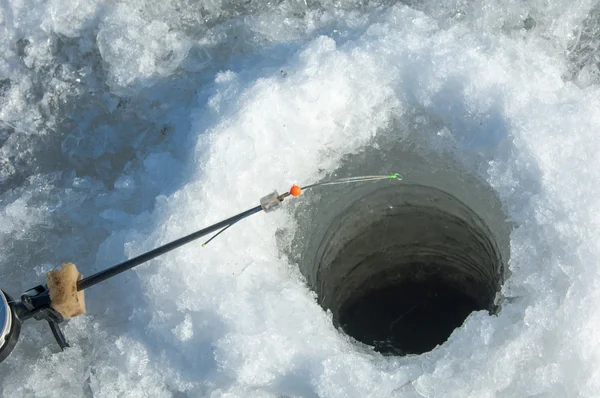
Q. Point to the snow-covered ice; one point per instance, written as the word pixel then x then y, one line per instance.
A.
pixel 127 124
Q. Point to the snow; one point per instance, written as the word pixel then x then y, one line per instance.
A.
pixel 124 125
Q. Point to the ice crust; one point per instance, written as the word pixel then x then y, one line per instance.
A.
pixel 124 125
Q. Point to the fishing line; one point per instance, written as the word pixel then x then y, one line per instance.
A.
pixel 296 190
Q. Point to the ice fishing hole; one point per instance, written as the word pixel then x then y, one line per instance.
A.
pixel 401 266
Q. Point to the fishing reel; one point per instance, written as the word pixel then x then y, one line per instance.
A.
pixel 34 303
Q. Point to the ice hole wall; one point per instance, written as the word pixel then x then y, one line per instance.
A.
pixel 401 265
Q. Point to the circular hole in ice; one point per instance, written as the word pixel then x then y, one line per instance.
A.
pixel 401 266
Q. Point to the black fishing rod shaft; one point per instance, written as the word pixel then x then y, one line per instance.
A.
pixel 126 265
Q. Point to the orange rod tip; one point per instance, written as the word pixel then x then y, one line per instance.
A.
pixel 295 190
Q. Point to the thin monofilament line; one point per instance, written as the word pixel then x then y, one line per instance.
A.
pixel 350 180
pixel 219 233
pixel 347 180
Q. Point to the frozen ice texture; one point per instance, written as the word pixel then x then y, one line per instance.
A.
pixel 124 125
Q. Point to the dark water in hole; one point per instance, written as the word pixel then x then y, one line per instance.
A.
pixel 409 318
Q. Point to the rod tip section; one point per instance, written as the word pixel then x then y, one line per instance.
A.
pixel 295 190
pixel 64 297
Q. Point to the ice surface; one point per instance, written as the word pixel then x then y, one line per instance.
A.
pixel 124 125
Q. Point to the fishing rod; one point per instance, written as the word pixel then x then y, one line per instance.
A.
pixel 62 298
